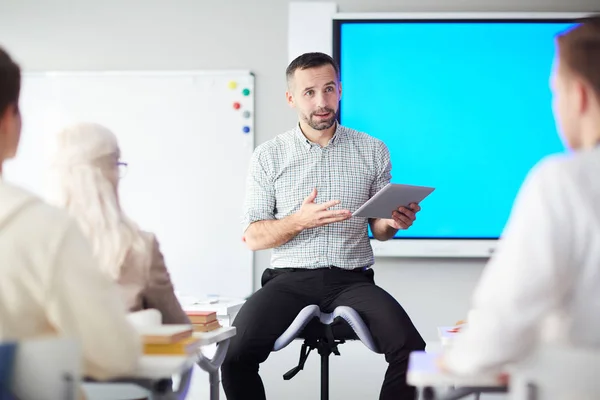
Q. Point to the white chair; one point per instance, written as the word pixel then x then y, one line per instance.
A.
pixel 47 368
pixel 557 373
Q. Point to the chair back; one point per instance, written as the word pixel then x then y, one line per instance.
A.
pixel 47 368
pixel 7 359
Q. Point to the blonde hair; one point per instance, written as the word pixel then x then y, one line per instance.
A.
pixel 83 158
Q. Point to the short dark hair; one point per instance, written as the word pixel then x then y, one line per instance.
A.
pixel 10 82
pixel 311 60
pixel 579 51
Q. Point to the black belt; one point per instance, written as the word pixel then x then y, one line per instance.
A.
pixel 358 269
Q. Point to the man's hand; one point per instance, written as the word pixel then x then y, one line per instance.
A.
pixel 268 234
pixel 312 215
pixel 403 217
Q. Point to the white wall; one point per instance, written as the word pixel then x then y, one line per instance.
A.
pixel 179 34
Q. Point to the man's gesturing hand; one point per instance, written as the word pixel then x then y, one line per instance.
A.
pixel 312 214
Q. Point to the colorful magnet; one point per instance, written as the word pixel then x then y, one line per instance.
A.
pixel 232 85
pixel 236 105
pixel 246 129
pixel 246 114
pixel 246 92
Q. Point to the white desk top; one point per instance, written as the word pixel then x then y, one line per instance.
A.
pixel 113 391
pixel 423 371
pixel 216 336
pixel 161 367
pixel 165 366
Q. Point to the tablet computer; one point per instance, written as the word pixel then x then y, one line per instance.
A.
pixel 392 196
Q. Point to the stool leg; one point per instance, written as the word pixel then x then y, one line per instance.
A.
pixel 324 376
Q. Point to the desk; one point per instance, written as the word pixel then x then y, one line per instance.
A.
pixel 212 365
pixel 226 310
pixel 114 391
pixel 162 367
pixel 158 367
pixel 423 372
pixel 216 336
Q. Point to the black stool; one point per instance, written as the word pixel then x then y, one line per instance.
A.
pixel 323 332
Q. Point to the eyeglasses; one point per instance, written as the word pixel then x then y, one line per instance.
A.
pixel 122 169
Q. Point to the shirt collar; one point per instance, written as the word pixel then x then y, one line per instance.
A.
pixel 308 144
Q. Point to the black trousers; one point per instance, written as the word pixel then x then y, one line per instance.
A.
pixel 269 312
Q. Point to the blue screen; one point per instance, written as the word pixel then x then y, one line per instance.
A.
pixel 463 107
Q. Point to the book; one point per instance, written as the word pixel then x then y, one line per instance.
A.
pixel 186 346
pixel 201 317
pixel 165 334
pixel 211 326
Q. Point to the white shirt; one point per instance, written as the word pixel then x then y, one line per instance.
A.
pixel 50 285
pixel 543 282
pixel 285 170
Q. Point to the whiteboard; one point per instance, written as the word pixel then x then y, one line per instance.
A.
pixel 187 137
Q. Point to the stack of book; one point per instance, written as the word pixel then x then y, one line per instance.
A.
pixel 169 340
pixel 203 321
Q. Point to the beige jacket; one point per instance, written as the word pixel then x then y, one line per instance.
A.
pixel 50 284
pixel 150 286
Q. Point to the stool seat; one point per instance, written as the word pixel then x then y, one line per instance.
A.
pixel 315 330
pixel 312 324
pixel 323 332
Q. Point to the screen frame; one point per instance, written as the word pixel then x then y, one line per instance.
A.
pixel 438 247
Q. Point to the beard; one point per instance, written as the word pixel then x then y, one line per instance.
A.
pixel 320 124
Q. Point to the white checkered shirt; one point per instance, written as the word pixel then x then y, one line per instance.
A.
pixel 285 170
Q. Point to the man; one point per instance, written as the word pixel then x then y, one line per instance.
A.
pixel 544 279
pixel 50 284
pixel 302 188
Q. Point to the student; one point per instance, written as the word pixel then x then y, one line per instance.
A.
pixel 302 188
pixel 543 282
pixel 49 280
pixel 86 170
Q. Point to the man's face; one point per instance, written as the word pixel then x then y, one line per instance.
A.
pixel 315 93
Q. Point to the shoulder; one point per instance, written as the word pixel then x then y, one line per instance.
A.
pixel 274 146
pixel 556 182
pixel 153 247
pixel 552 170
pixel 363 139
pixel 149 238
pixel 35 234
pixel 24 209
